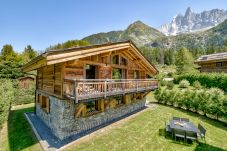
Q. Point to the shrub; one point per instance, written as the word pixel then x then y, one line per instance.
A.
pixel 184 84
pixel 208 80
pixel 197 85
pixel 24 95
pixel 6 96
pixel 170 84
pixel 209 101
pixel 10 93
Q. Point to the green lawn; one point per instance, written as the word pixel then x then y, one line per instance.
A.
pixel 17 133
pixel 143 132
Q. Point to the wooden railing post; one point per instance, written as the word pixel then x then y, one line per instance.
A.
pixel 105 88
pixel 136 85
pixel 76 91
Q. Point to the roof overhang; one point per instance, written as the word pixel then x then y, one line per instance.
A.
pixel 64 55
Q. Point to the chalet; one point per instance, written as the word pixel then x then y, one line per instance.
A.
pixel 81 88
pixel 213 63
pixel 26 81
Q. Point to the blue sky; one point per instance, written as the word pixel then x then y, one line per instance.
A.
pixel 45 22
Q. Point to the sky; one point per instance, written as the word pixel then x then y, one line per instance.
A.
pixel 42 23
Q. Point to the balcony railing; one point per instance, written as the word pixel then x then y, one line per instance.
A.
pixel 82 89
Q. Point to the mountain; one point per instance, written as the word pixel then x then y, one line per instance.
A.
pixel 192 22
pixel 216 36
pixel 138 32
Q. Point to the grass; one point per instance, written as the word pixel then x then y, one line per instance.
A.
pixel 143 132
pixel 17 133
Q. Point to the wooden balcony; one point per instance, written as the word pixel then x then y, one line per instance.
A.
pixel 83 89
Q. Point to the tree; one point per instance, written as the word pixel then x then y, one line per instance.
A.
pixel 185 61
pixel 169 57
pixel 7 52
pixel 211 48
pixel 29 53
pixel 68 44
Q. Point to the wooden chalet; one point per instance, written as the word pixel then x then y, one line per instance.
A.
pixel 92 79
pixel 26 81
pixel 213 62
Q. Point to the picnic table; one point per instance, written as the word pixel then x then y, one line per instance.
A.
pixel 183 125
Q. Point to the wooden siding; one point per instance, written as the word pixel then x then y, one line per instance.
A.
pixel 50 78
pixel 213 67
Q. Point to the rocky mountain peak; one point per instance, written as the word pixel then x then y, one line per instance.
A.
pixel 192 21
pixel 188 11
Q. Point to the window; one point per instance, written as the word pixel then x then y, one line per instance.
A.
pixel 119 100
pixel 90 72
pixel 44 103
pixel 148 76
pixel 224 64
pixel 116 73
pixel 218 64
pixel 123 61
pixel 115 59
pixel 136 74
pixel 92 107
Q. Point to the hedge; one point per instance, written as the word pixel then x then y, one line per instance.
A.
pixel 209 101
pixel 6 97
pixel 11 94
pixel 209 80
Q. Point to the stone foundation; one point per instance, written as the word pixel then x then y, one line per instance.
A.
pixel 63 124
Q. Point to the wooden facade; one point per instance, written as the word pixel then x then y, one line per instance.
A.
pixel 26 81
pixel 98 72
pixel 213 63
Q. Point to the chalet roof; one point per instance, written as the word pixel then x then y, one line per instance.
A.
pixel 26 77
pixel 212 57
pixel 57 56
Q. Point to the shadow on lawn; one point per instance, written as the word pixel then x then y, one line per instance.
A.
pixel 20 135
pixel 205 147
pixel 199 147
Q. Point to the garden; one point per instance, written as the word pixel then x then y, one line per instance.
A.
pixel 195 97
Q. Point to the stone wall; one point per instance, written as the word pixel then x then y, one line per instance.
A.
pixel 63 124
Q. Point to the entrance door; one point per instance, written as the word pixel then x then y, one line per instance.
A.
pixel 90 72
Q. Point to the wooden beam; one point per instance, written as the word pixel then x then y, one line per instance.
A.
pixel 127 99
pixel 75 53
pixel 145 60
pixel 54 61
pixel 81 110
pixel 36 65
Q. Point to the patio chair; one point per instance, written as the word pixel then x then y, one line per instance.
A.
pixel 179 134
pixel 184 119
pixel 191 135
pixel 168 130
pixel 176 118
pixel 202 132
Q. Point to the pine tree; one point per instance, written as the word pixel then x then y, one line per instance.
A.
pixel 185 61
pixel 29 53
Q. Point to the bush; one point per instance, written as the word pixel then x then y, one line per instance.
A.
pixel 197 85
pixel 209 80
pixel 10 93
pixel 209 101
pixel 6 97
pixel 24 96
pixel 170 84
pixel 184 84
